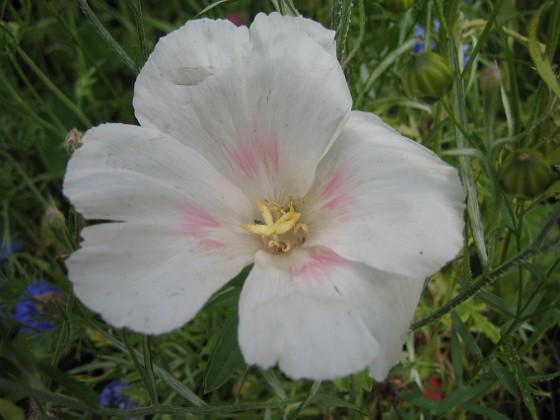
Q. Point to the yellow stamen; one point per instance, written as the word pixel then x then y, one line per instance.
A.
pixel 278 221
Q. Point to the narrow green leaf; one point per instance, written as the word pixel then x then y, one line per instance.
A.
pixel 333 401
pixel 507 215
pixel 212 6
pixel 515 365
pixel 225 357
pixel 358 42
pixel 417 398
pixel 542 65
pixel 308 398
pixel 274 383
pixel 485 412
pixel 456 355
pixel 225 298
pixel 462 395
pixel 504 377
pixel 466 335
pixel 72 386
pixel 465 166
pixel 342 16
pixel 536 248
pixel 136 8
pixel 106 36
pixel 533 303
pixel 496 303
pixel 148 376
pixel 165 376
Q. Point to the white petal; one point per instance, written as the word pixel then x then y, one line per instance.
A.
pixel 146 278
pixel 261 104
pixel 386 201
pixel 181 238
pixel 319 316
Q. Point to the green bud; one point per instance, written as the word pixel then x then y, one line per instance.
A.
pixel 73 140
pixel 398 6
pixel 54 220
pixel 426 76
pixel 525 174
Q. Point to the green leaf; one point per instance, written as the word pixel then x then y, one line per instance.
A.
pixel 417 398
pixel 8 410
pixel 507 215
pixel 496 303
pixel 514 363
pixel 542 65
pixel 225 357
pixel 72 386
pixel 533 303
pixel 333 401
pixel 462 395
pixel 504 377
pixel 364 380
pixel 342 384
pixel 485 412
pixel 466 335
pixel 456 355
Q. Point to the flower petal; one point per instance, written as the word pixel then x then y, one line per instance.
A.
pixel 181 239
pixel 255 102
pixel 386 201
pixel 320 316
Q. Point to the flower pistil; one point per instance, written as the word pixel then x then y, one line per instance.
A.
pixel 280 228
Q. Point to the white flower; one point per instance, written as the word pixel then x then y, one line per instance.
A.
pixel 248 152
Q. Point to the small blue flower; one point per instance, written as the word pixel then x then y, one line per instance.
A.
pixel 31 312
pixel 420 32
pixel 112 397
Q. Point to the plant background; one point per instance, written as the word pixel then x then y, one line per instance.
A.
pixel 486 340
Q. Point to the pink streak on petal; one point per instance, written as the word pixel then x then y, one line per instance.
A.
pixel 199 224
pixel 338 190
pixel 254 152
pixel 319 267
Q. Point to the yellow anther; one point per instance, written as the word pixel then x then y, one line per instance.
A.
pixel 278 221
pixel 265 211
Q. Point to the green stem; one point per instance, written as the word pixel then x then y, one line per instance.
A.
pixel 532 250
pixel 107 37
pixel 465 166
pixel 51 86
pixel 342 16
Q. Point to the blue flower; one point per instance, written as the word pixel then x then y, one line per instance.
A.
pixel 112 397
pixel 32 310
pixel 420 32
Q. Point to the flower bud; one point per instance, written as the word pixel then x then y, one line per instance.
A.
pixel 73 140
pixel 398 6
pixel 491 78
pixel 525 174
pixel 426 76
pixel 54 219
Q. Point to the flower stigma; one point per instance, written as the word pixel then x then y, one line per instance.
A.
pixel 280 228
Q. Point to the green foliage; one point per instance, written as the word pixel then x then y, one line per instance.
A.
pixel 486 340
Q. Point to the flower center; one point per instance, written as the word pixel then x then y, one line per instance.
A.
pixel 280 229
